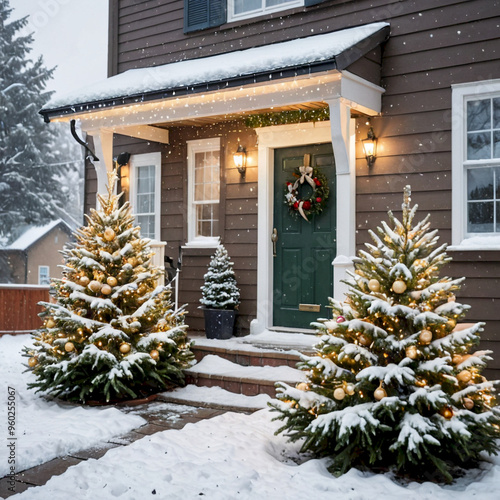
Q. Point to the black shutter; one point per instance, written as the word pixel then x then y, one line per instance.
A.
pixel 202 14
pixel 310 3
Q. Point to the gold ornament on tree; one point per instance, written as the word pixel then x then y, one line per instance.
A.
pixel 302 386
pixel 84 280
pixel 106 289
pixel 111 281
pixel 380 392
pixel 425 336
pixel 50 323
pixel 109 234
pixel 69 347
pixel 349 389
pixel 155 354
pixel 399 286
pixel 95 286
pixel 374 285
pixel 411 351
pixel 32 362
pixel 464 376
pixel 364 340
pixel 446 412
pixel 468 403
pixel 125 348
pixel 339 393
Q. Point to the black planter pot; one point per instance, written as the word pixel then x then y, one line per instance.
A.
pixel 219 323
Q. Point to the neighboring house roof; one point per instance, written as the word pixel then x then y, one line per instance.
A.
pixel 324 52
pixel 34 233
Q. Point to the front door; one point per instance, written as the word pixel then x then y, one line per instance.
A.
pixel 305 249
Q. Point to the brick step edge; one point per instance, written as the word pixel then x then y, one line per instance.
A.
pixel 207 404
pixel 246 386
pixel 248 358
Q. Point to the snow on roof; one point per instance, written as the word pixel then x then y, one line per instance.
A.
pixel 289 54
pixel 33 234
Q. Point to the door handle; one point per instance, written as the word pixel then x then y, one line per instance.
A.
pixel 274 239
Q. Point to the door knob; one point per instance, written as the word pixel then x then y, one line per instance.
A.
pixel 274 239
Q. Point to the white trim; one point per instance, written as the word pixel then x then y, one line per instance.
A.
pixel 144 160
pixel 461 93
pixel 260 12
pixel 196 146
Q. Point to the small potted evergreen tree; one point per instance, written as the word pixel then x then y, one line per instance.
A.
pixel 220 296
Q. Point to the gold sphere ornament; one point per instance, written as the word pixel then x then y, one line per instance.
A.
pixel 468 403
pixel 111 281
pixel 349 389
pixel 399 286
pixel 125 348
pixel 374 285
pixel 142 289
pixel 106 289
pixel 457 359
pixel 50 323
pixel 69 347
pixel 84 280
pixel 109 234
pixel 339 393
pixel 411 352
pixel 364 340
pixel 446 412
pixel 425 336
pixel 32 362
pixel 380 393
pixel 155 354
pixel 95 286
pixel 464 376
pixel 132 261
pixel 302 386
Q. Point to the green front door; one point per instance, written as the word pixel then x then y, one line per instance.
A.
pixel 303 271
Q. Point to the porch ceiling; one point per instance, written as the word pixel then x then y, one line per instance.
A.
pixel 292 66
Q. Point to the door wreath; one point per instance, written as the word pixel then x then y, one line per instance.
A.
pixel 313 204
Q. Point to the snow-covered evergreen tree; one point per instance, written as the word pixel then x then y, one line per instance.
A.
pixel 220 290
pixel 30 166
pixel 393 383
pixel 112 333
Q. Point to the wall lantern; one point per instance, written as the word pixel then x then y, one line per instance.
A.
pixel 370 147
pixel 240 159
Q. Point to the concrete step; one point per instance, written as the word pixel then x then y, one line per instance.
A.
pixel 214 371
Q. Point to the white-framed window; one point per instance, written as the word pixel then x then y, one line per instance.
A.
pixel 145 192
pixel 203 192
pixel 244 9
pixel 43 275
pixel 476 164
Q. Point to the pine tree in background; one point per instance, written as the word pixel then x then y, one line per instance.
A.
pixel 220 290
pixel 112 333
pixel 392 383
pixel 32 170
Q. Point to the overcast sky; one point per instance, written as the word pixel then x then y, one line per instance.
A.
pixel 70 34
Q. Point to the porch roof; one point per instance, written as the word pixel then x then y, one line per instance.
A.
pixel 293 58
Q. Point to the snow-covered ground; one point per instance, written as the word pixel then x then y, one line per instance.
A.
pixel 230 456
pixel 43 429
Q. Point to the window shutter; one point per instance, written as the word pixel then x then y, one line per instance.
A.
pixel 202 14
pixel 310 3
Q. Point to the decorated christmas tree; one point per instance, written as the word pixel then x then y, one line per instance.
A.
pixel 220 290
pixel 111 333
pixel 393 384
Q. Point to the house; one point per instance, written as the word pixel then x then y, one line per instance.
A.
pixel 292 83
pixel 34 258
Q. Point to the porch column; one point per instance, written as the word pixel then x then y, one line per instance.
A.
pixel 342 129
pixel 103 144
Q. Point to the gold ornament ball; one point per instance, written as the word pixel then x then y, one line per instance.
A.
pixel 380 393
pixel 339 393
pixel 155 354
pixel 125 348
pixel 468 403
pixel 69 346
pixel 84 280
pixel 464 376
pixel 50 323
pixel 447 412
pixel 425 336
pixel 364 340
pixel 109 234
pixel 95 286
pixel 142 289
pixel 132 261
pixel 32 362
pixel 457 359
pixel 374 285
pixel 112 281
pixel 399 286
pixel 106 289
pixel 302 386
pixel 411 352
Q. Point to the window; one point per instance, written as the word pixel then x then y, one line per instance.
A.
pixel 243 9
pixel 203 14
pixel 145 184
pixel 476 161
pixel 43 275
pixel 204 192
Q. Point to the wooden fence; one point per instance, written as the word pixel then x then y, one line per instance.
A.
pixel 19 307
